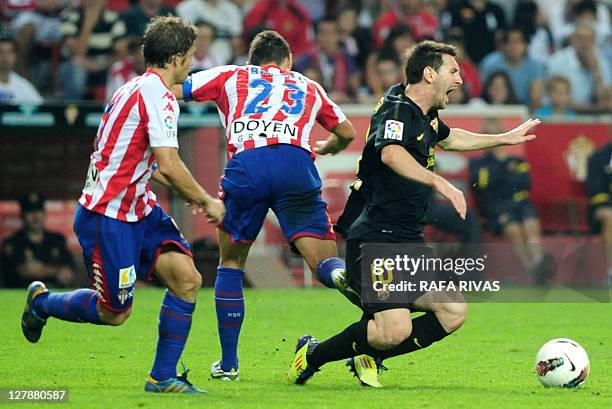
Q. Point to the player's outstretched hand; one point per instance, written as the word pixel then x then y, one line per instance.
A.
pixel 214 210
pixel 454 195
pixel 520 133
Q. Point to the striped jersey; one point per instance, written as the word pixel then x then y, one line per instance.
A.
pixel 261 106
pixel 141 115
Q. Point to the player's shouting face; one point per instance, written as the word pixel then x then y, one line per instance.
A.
pixel 445 80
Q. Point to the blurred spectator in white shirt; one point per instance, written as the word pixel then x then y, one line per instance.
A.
pixel 585 66
pixel 203 58
pixel 13 87
pixel 531 21
pixel 563 15
pixel 37 37
pixel 224 15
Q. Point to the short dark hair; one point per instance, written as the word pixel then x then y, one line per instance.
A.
pixel 513 29
pixel 32 202
pixel 397 31
pixel 268 47
pixel 425 54
pixel 328 19
pixel 166 37
pixel 584 6
pixel 388 55
pixel 204 23
pixel 511 99
pixel 558 79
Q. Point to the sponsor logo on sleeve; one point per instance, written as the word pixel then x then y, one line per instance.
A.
pixel 169 122
pixel 170 125
pixel 394 130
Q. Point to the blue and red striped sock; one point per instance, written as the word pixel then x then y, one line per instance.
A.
pixel 229 302
pixel 174 326
pixel 326 268
pixel 76 306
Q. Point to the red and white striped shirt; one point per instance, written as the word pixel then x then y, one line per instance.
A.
pixel 141 115
pixel 261 106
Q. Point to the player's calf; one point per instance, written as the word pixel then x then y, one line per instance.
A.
pixel 183 281
pixel 389 328
pixel 451 315
pixel 113 318
pixel 230 309
pixel 76 306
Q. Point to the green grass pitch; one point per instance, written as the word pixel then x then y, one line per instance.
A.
pixel 488 363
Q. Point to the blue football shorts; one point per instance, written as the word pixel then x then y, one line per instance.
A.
pixel 116 253
pixel 279 177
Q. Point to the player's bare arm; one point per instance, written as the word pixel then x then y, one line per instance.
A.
pixel 159 178
pixel 174 171
pixel 462 140
pixel 341 137
pixel 402 163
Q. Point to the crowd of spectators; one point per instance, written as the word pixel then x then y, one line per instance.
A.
pixel 554 56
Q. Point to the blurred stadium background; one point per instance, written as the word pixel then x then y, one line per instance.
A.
pixel 349 46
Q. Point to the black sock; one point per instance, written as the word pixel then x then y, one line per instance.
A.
pixel 351 342
pixel 426 330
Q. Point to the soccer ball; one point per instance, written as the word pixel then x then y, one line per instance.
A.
pixel 563 363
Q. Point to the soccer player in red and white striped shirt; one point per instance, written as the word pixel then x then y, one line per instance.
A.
pixel 268 112
pixel 123 232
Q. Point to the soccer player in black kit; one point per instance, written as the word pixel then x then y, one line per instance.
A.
pixel 388 205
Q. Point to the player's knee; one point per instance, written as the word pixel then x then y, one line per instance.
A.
pixel 112 317
pixel 190 283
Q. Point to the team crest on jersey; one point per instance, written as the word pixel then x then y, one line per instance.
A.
pixel 434 124
pixel 394 130
pixel 123 295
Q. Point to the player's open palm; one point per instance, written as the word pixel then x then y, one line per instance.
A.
pixel 521 133
pixel 454 195
pixel 215 211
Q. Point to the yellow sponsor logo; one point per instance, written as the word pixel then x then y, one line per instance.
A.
pixel 127 277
